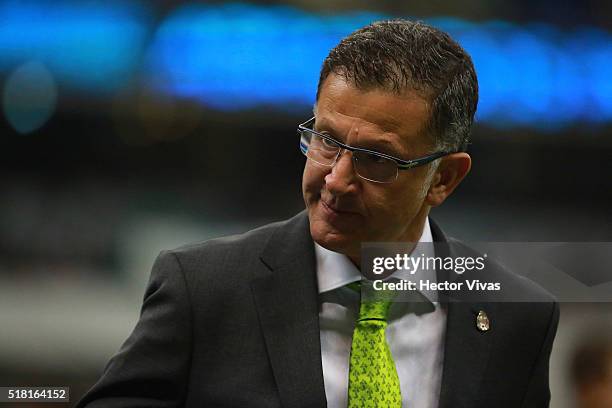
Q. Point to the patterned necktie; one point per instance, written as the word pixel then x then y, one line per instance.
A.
pixel 373 380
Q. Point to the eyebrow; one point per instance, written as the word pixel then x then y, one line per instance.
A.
pixel 324 125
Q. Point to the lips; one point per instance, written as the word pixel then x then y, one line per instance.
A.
pixel 333 210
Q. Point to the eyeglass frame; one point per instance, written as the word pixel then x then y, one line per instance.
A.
pixel 401 163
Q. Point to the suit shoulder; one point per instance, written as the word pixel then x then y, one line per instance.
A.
pixel 235 256
pixel 516 285
pixel 222 268
pixel 247 243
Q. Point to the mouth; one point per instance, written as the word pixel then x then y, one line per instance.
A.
pixel 335 211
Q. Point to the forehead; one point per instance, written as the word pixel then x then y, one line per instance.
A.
pixel 401 118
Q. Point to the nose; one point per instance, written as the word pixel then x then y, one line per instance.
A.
pixel 342 178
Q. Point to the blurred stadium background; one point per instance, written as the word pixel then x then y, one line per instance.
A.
pixel 131 126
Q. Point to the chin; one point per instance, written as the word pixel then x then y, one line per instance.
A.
pixel 329 238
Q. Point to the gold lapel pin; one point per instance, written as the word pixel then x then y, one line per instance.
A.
pixel 482 321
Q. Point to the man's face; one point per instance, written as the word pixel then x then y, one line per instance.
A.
pixel 346 210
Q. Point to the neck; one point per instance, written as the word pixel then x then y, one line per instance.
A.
pixel 411 237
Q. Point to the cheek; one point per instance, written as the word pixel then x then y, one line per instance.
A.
pixel 398 205
pixel 313 180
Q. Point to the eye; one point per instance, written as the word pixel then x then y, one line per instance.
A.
pixel 328 143
pixel 374 158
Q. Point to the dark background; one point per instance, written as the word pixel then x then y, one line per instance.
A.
pixel 91 196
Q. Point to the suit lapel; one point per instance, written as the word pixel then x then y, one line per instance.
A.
pixel 285 293
pixel 466 353
pixel 466 349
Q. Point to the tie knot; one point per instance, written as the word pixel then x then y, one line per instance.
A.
pixel 375 304
pixel 374 310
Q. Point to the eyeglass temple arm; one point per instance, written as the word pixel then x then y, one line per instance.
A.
pixel 423 160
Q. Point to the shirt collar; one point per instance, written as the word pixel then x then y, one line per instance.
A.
pixel 335 270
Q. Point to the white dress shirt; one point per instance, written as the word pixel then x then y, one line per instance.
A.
pixel 415 336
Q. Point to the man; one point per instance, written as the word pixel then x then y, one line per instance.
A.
pixel 269 318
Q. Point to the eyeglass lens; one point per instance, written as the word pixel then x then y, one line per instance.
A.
pixel 367 165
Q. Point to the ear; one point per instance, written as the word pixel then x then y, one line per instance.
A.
pixel 451 170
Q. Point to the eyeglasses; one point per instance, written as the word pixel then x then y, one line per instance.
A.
pixel 370 165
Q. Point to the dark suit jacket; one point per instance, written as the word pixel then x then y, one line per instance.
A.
pixel 233 322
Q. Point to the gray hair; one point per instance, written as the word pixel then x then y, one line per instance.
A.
pixel 400 55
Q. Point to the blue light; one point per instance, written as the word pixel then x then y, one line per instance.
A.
pixel 29 97
pixel 596 52
pixel 238 56
pixel 90 45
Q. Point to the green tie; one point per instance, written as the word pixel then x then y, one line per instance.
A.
pixel 373 380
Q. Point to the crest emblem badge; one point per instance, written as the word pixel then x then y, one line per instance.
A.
pixel 482 321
